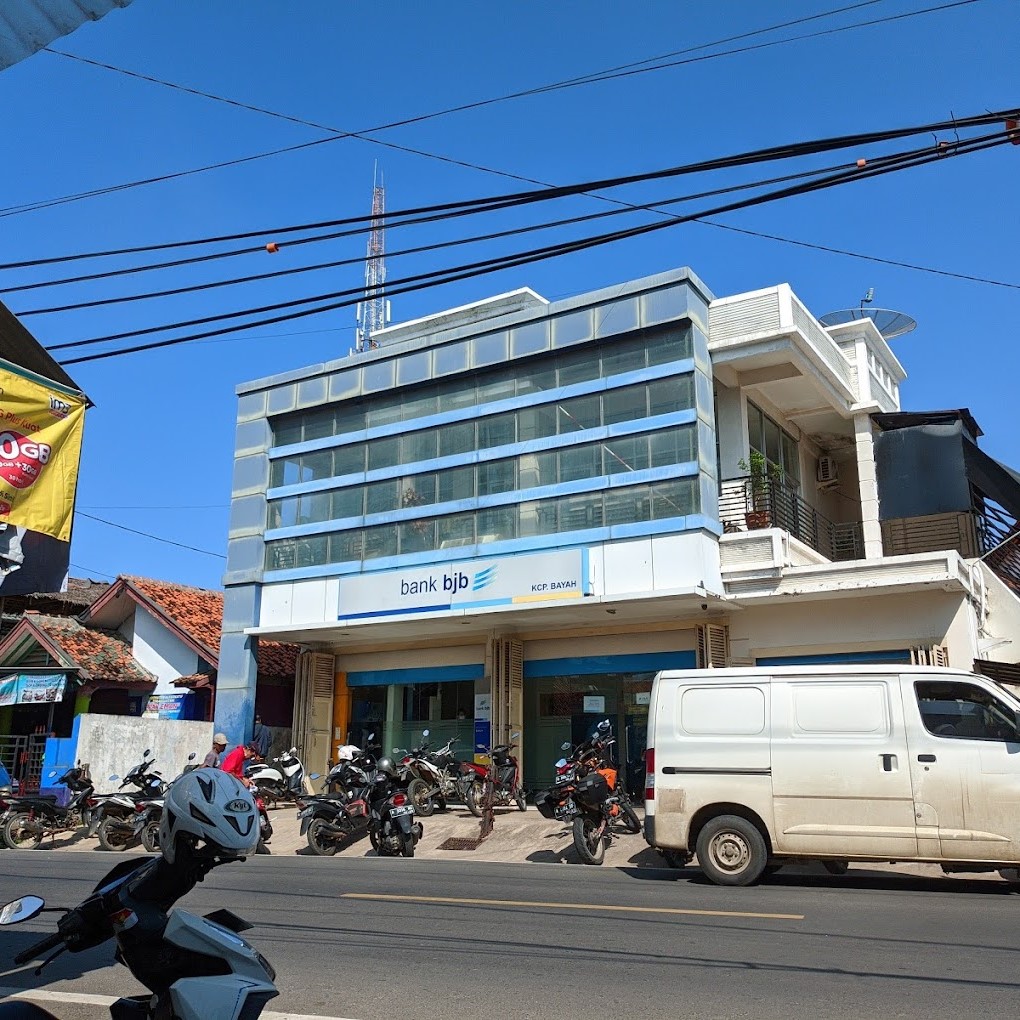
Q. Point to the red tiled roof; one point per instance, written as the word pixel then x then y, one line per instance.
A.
pixel 97 654
pixel 199 613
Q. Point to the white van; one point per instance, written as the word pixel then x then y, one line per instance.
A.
pixel 750 768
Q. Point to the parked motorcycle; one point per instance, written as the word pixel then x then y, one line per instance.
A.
pixel 332 820
pixel 503 776
pixel 149 812
pixel 434 776
pixel 192 966
pixel 469 775
pixel 32 817
pixel 113 814
pixel 265 826
pixel 280 778
pixel 392 828
pixel 589 795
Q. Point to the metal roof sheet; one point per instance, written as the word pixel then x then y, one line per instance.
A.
pixel 28 25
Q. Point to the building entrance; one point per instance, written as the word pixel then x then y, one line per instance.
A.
pixel 561 708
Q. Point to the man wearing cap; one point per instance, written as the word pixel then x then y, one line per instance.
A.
pixel 219 745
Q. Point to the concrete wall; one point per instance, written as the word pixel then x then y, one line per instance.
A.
pixel 161 652
pixel 866 623
pixel 113 744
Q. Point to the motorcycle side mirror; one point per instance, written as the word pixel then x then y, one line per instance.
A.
pixel 565 746
pixel 396 750
pixel 52 774
pixel 192 756
pixel 114 778
pixel 425 733
pixel 315 775
pixel 515 736
pixel 371 736
pixel 146 753
pixel 23 909
pixel 561 763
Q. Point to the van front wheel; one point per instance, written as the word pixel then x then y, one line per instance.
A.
pixel 731 851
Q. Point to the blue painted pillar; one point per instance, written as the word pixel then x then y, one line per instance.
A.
pixel 237 673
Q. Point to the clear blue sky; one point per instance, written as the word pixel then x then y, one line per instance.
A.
pixel 158 445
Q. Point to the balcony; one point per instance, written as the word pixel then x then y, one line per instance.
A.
pixel 770 503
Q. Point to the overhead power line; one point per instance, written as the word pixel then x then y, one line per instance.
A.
pixel 437 278
pixel 338 134
pixel 146 534
pixel 425 214
pixel 620 210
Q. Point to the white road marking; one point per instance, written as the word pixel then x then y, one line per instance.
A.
pixel 105 1001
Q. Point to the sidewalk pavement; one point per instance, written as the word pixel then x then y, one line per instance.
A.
pixel 517 838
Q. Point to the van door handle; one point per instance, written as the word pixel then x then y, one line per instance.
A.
pixel 926 757
pixel 888 762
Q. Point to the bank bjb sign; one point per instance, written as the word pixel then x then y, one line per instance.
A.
pixel 466 584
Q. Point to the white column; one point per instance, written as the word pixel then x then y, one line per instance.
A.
pixel 868 484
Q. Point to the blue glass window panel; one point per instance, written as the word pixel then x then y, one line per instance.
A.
pixel 536 422
pixel 385 412
pixel 490 349
pixel 348 502
pixel 381 497
pixel 531 338
pixel 497 430
pixel 316 465
pixel 412 368
pixel 283 512
pixel 450 358
pixel 618 317
pixel 571 328
pixel 378 375
pixel 455 531
pixel 457 483
pixel 664 305
pixel 579 462
pixel 381 541
pixel 537 377
pixel 383 453
pixel 314 508
pixel 497 524
pixel 419 405
pixel 626 454
pixel 624 355
pixel 673 394
pixel 288 430
pixel 579 414
pixel 459 438
pixel 349 419
pixel 627 404
pixel 346 546
pixel 670 345
pixel 574 369
pixel 496 476
pixel 418 446
pixel 349 460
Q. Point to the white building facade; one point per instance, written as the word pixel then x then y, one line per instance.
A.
pixel 508 516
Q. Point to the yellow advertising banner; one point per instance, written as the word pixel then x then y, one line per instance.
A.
pixel 40 447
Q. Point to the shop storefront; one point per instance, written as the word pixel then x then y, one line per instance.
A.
pixel 565 698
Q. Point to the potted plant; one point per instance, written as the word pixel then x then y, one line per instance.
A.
pixel 761 476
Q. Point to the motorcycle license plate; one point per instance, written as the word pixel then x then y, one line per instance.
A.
pixel 396 812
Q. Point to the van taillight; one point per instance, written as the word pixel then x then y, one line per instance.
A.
pixel 650 774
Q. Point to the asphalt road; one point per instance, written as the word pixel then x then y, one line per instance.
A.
pixel 546 941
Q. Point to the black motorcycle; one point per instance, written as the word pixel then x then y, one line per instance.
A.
pixel 392 828
pixel 113 813
pixel 589 796
pixel 339 816
pixel 30 818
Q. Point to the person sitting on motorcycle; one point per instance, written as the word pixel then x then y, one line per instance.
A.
pixel 235 761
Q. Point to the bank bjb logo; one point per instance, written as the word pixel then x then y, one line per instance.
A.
pixel 484 578
pixel 21 459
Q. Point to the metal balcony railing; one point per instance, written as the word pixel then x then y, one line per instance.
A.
pixel 747 505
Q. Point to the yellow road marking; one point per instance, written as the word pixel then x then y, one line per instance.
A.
pixel 568 906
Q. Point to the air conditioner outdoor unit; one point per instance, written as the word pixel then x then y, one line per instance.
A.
pixel 828 472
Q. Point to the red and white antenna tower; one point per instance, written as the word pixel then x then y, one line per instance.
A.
pixel 373 310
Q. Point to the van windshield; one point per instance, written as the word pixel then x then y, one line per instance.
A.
pixel 964 711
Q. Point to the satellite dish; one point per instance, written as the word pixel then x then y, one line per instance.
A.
pixel 889 323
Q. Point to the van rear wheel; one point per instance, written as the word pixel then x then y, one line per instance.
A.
pixel 731 851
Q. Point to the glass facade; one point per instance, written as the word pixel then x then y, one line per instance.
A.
pixel 503 463
pixel 644 349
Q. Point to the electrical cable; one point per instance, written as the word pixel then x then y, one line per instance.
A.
pixel 494 203
pixel 146 534
pixel 338 134
pixel 850 172
pixel 448 276
pixel 867 258
pixel 420 249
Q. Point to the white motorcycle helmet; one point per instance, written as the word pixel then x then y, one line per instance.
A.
pixel 211 807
